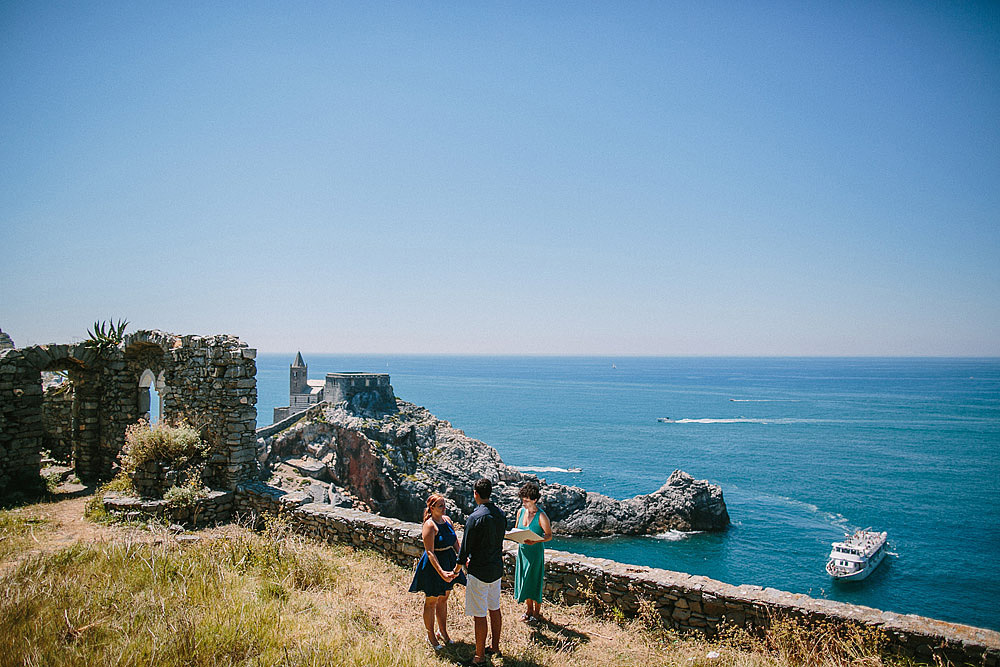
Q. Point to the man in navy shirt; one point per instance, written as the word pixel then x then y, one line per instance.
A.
pixel 482 549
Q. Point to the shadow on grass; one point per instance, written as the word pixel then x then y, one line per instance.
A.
pixel 37 493
pixel 555 636
pixel 461 653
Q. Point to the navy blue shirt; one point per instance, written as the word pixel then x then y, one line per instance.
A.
pixel 482 544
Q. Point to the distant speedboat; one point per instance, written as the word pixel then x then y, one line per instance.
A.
pixel 856 557
pixel 663 419
pixel 574 469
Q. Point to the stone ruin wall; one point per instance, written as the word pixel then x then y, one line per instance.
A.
pixel 212 382
pixel 209 380
pixel 682 601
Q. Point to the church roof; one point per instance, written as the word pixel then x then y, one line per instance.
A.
pixel 298 363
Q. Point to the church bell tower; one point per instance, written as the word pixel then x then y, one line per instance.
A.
pixel 298 373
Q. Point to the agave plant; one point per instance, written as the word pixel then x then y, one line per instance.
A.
pixel 106 334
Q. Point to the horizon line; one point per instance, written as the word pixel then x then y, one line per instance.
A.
pixel 634 356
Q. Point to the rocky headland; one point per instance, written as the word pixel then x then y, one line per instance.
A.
pixel 362 455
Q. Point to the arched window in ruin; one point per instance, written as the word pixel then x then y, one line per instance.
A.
pixel 151 395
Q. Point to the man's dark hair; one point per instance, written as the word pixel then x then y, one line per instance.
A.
pixel 484 488
pixel 530 491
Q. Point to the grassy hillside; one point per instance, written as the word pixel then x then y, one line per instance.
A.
pixel 131 595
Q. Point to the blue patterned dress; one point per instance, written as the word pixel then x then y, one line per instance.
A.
pixel 426 578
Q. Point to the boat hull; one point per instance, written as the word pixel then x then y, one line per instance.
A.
pixel 862 573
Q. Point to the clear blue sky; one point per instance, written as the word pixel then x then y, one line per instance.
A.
pixel 766 178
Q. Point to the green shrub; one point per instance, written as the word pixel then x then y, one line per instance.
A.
pixel 179 444
pixel 185 495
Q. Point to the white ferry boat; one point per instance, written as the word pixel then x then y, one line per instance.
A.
pixel 856 557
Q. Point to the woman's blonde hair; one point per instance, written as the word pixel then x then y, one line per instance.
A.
pixel 431 501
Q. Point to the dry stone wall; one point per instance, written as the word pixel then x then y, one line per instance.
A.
pixel 215 508
pixel 210 380
pixel 683 601
pixel 21 430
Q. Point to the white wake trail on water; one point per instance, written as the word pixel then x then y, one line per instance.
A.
pixel 811 512
pixel 545 469
pixel 749 420
pixel 676 535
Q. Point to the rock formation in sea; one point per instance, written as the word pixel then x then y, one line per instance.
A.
pixel 390 461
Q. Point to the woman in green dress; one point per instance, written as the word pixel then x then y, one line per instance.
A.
pixel 530 570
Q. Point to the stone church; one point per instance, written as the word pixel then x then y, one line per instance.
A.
pixel 304 393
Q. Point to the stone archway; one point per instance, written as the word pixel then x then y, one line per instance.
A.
pixel 210 380
pixel 151 390
pixel 22 421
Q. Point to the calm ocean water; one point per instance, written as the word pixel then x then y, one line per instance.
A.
pixel 804 449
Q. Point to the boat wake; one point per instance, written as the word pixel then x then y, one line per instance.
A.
pixel 545 469
pixel 834 519
pixel 747 420
pixel 735 420
pixel 676 535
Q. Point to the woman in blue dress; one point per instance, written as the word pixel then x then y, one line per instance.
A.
pixel 434 575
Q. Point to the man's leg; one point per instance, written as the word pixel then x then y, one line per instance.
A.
pixel 496 620
pixel 480 623
pixel 476 607
pixel 496 623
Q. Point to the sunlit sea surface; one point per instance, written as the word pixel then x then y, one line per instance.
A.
pixel 804 450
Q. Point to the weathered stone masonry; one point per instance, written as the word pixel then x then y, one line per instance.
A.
pixel 209 380
pixel 683 601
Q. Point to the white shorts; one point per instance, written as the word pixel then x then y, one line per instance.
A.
pixel 481 597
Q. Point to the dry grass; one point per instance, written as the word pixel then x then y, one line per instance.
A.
pixel 19 528
pixel 243 598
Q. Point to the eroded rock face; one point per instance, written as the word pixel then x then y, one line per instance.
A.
pixel 392 461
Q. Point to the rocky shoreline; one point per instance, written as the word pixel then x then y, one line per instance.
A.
pixel 389 461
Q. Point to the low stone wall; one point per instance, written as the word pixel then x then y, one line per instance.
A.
pixel 152 479
pixel 215 508
pixel 683 601
pixel 279 426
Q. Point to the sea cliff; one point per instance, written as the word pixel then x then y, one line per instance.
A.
pixel 389 461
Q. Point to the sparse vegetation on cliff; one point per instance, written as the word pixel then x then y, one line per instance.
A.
pixel 235 597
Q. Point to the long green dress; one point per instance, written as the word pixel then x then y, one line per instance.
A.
pixel 530 570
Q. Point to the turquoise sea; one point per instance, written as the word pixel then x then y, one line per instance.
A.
pixel 804 449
